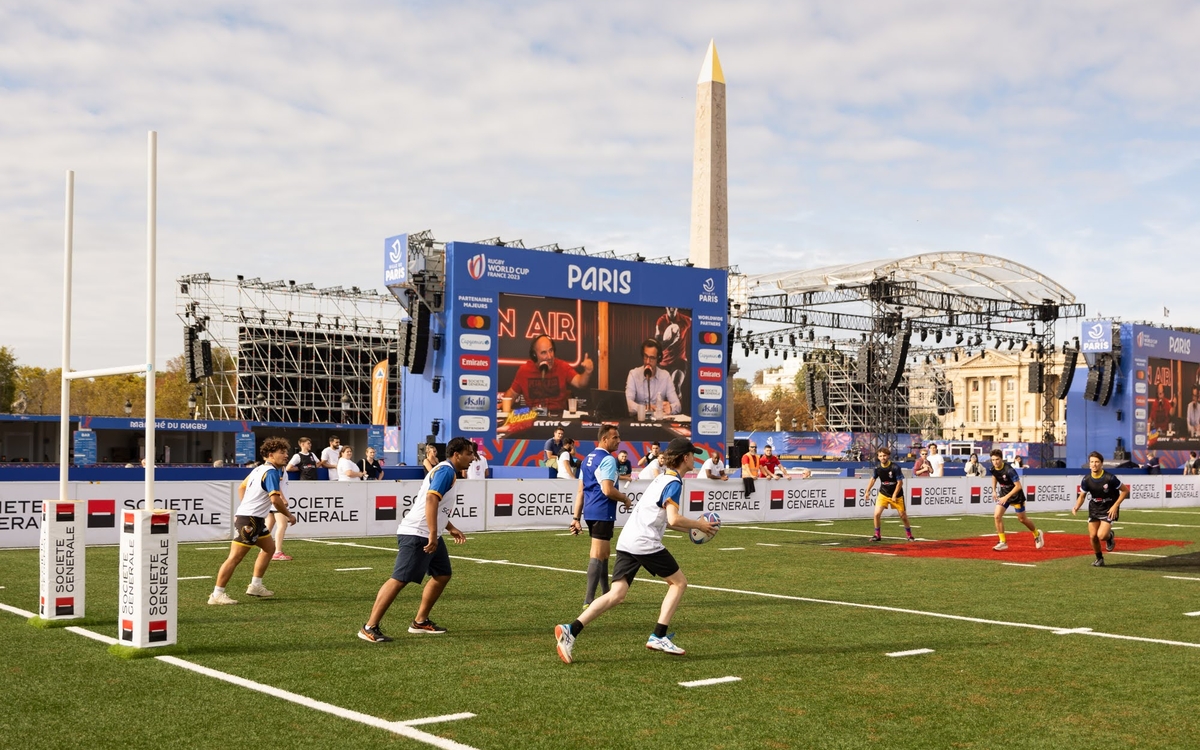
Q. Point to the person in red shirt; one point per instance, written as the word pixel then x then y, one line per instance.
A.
pixel 769 466
pixel 545 380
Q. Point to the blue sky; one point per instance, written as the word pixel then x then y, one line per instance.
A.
pixel 294 137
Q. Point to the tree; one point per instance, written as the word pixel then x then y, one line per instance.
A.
pixel 8 378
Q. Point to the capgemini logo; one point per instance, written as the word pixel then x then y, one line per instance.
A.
pixel 476 265
pixel 709 284
pixel 397 251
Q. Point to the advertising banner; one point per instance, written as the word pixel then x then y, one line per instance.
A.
pixel 21 511
pixel 799 500
pixel 85 447
pixel 148 604
pixel 541 504
pixel 204 510
pixel 328 508
pixel 1181 492
pixel 1145 490
pixel 389 502
pixel 939 496
pixel 61 569
pixel 379 397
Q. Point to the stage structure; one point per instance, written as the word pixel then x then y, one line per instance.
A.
pixel 278 351
pixel 506 344
pixel 925 309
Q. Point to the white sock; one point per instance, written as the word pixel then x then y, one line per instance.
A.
pixel 256 581
pixel 218 590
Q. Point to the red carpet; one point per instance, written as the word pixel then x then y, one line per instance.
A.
pixel 1020 547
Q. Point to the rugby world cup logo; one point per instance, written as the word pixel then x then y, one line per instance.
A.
pixel 476 266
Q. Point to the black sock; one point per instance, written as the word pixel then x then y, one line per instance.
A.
pixel 593 579
pixel 660 630
pixel 576 627
pixel 1099 555
pixel 604 575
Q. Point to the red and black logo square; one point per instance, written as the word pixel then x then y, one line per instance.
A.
pixel 127 523
pixel 776 499
pixel 127 630
pixel 1030 493
pixel 849 498
pixel 160 523
pixel 157 631
pixel 64 512
pixel 101 514
pixel 385 507
pixel 696 501
pixel 1167 490
pixel 64 606
pixel 976 495
pixel 504 504
pixel 915 495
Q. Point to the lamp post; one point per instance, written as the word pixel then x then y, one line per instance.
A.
pixel 778 421
pixel 345 405
pixel 962 427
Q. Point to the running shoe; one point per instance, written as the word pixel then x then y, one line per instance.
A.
pixel 1039 539
pixel 911 538
pixel 664 644
pixel 257 589
pixel 280 556
pixel 221 598
pixel 1111 541
pixel 1001 547
pixel 373 634
pixel 876 538
pixel 566 642
pixel 1099 563
pixel 429 626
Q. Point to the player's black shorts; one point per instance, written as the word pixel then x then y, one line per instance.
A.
pixel 601 529
pixel 1098 510
pixel 249 529
pixel 413 562
pixel 661 564
pixel 1016 502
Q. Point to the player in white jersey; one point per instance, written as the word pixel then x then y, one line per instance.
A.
pixel 261 491
pixel 421 547
pixel 640 546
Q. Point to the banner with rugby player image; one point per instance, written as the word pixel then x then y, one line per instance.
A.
pixel 379 393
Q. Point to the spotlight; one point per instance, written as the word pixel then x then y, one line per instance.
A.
pixel 437 383
pixel 924 334
pixel 811 334
pixel 1024 345
pixel 792 339
pixel 1010 344
pixel 959 339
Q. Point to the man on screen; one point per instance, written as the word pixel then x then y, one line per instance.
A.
pixel 674 330
pixel 545 380
pixel 649 386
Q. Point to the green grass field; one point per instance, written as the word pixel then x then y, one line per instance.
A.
pixel 813 674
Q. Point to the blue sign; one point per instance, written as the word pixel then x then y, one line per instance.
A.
pixel 1096 336
pixel 395 261
pixel 85 447
pixel 375 439
pixel 537 340
pixel 244 448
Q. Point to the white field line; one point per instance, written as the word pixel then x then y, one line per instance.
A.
pixel 831 544
pixel 951 519
pixel 1181 578
pixel 1056 531
pixel 760 544
pixel 210 549
pixel 806 531
pixel 856 605
pixel 16 611
pixel 885 554
pixel 93 635
pixel 1191 614
pixel 710 681
pixel 193 578
pixel 396 727
pixel 914 652
pixel 730 549
pixel 1134 554
pixel 1162 510
pixel 1126 523
pixel 1020 565
pixel 343 570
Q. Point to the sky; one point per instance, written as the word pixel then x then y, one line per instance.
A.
pixel 294 137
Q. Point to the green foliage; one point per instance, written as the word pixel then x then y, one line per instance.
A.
pixel 8 378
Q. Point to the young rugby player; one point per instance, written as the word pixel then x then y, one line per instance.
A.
pixel 1107 494
pixel 1008 492
pixel 421 547
pixel 891 492
pixel 640 545
pixel 596 502
pixel 261 491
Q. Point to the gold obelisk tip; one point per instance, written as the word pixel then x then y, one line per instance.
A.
pixel 711 69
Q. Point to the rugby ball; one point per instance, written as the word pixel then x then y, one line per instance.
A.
pixel 698 536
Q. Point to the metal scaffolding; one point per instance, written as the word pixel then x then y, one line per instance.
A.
pixel 288 352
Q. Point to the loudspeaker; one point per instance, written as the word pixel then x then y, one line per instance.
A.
pixel 418 338
pixel 899 357
pixel 822 394
pixel 810 386
pixel 206 361
pixel 1110 379
pixel 189 359
pixel 740 447
pixel 1064 382
pixel 1036 384
pixel 865 365
pixel 1091 391
pixel 729 346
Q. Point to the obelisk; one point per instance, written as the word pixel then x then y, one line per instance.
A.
pixel 709 247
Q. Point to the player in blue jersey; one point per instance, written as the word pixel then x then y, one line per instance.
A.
pixel 1008 492
pixel 1107 493
pixel 421 547
pixel 640 546
pixel 596 503
pixel 891 492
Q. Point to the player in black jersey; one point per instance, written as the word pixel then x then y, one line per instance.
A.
pixel 1107 494
pixel 1008 492
pixel 891 492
